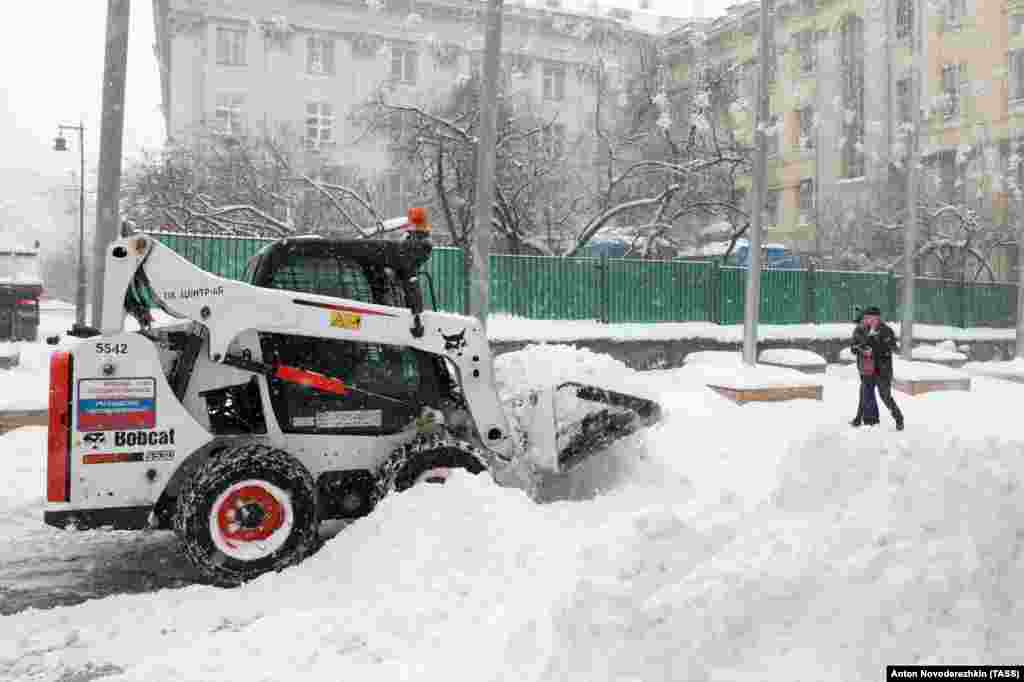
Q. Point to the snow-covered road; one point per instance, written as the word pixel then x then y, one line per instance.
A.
pixel 760 542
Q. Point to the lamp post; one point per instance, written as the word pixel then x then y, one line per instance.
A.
pixel 60 144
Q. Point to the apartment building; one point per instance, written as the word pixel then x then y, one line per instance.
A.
pixel 840 93
pixel 238 66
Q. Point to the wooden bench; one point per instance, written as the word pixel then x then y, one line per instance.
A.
pixel 15 419
pixel 742 396
pixel 917 387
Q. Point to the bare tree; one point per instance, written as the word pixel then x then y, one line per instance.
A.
pixel 249 186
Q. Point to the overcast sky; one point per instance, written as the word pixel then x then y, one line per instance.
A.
pixel 51 66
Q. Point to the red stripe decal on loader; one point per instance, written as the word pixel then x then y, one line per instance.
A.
pixel 58 457
pixel 304 377
pixel 343 308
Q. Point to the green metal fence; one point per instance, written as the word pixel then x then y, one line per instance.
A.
pixel 631 290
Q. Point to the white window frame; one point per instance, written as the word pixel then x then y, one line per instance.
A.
pixel 771 209
pixel 1015 91
pixel 319 125
pixel 805 200
pixel 231 45
pixel 954 108
pixel 553 87
pixel 805 126
pixel 229 113
pixel 404 64
pixel 319 56
pixel 807 51
pixel 905 10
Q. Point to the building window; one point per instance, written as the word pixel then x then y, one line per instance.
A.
pixel 552 139
pixel 951 79
pixel 771 208
pixel 320 56
pixel 956 10
pixel 904 19
pixel 319 125
pixel 806 120
pixel 805 47
pixel 1016 24
pixel 953 189
pixel 1016 89
pixel 400 126
pixel 771 138
pixel 231 46
pixel 403 64
pixel 806 200
pixel 229 114
pixel 554 82
pixel 904 100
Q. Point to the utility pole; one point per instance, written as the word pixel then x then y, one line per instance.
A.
pixel 479 289
pixel 913 188
pixel 1019 350
pixel 752 310
pixel 111 137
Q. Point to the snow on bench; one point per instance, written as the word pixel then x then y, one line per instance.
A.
pixel 724 373
pixel 1009 370
pixel 805 361
pixel 916 377
pixel 944 353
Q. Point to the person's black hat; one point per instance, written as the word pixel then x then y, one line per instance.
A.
pixel 873 310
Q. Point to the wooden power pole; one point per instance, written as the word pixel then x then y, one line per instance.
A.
pixel 111 138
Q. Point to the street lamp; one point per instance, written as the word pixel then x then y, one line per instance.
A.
pixel 60 144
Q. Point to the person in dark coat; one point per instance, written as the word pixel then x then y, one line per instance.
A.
pixel 874 344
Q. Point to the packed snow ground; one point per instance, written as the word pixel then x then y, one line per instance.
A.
pixel 763 542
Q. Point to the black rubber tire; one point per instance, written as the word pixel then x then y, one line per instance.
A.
pixel 201 490
pixel 425 452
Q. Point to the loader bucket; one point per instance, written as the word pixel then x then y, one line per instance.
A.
pixel 573 421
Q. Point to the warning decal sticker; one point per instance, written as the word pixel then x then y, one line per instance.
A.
pixel 116 404
pixel 349 420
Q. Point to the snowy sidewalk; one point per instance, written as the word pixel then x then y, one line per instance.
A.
pixel 769 541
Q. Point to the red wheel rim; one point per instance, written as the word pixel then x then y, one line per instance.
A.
pixel 231 523
pixel 251 520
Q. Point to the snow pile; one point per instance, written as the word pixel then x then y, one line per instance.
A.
pixel 8 350
pixel 1009 369
pixel 941 352
pixel 521 374
pixel 792 357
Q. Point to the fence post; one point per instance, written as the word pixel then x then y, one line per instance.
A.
pixel 712 287
pixel 892 292
pixel 963 303
pixel 602 266
pixel 810 282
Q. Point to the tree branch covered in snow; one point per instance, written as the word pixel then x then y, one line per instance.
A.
pixel 262 186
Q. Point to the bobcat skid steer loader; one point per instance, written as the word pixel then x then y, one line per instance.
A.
pixel 305 393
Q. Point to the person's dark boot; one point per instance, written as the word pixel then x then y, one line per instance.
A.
pixel 855 423
pixel 899 422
